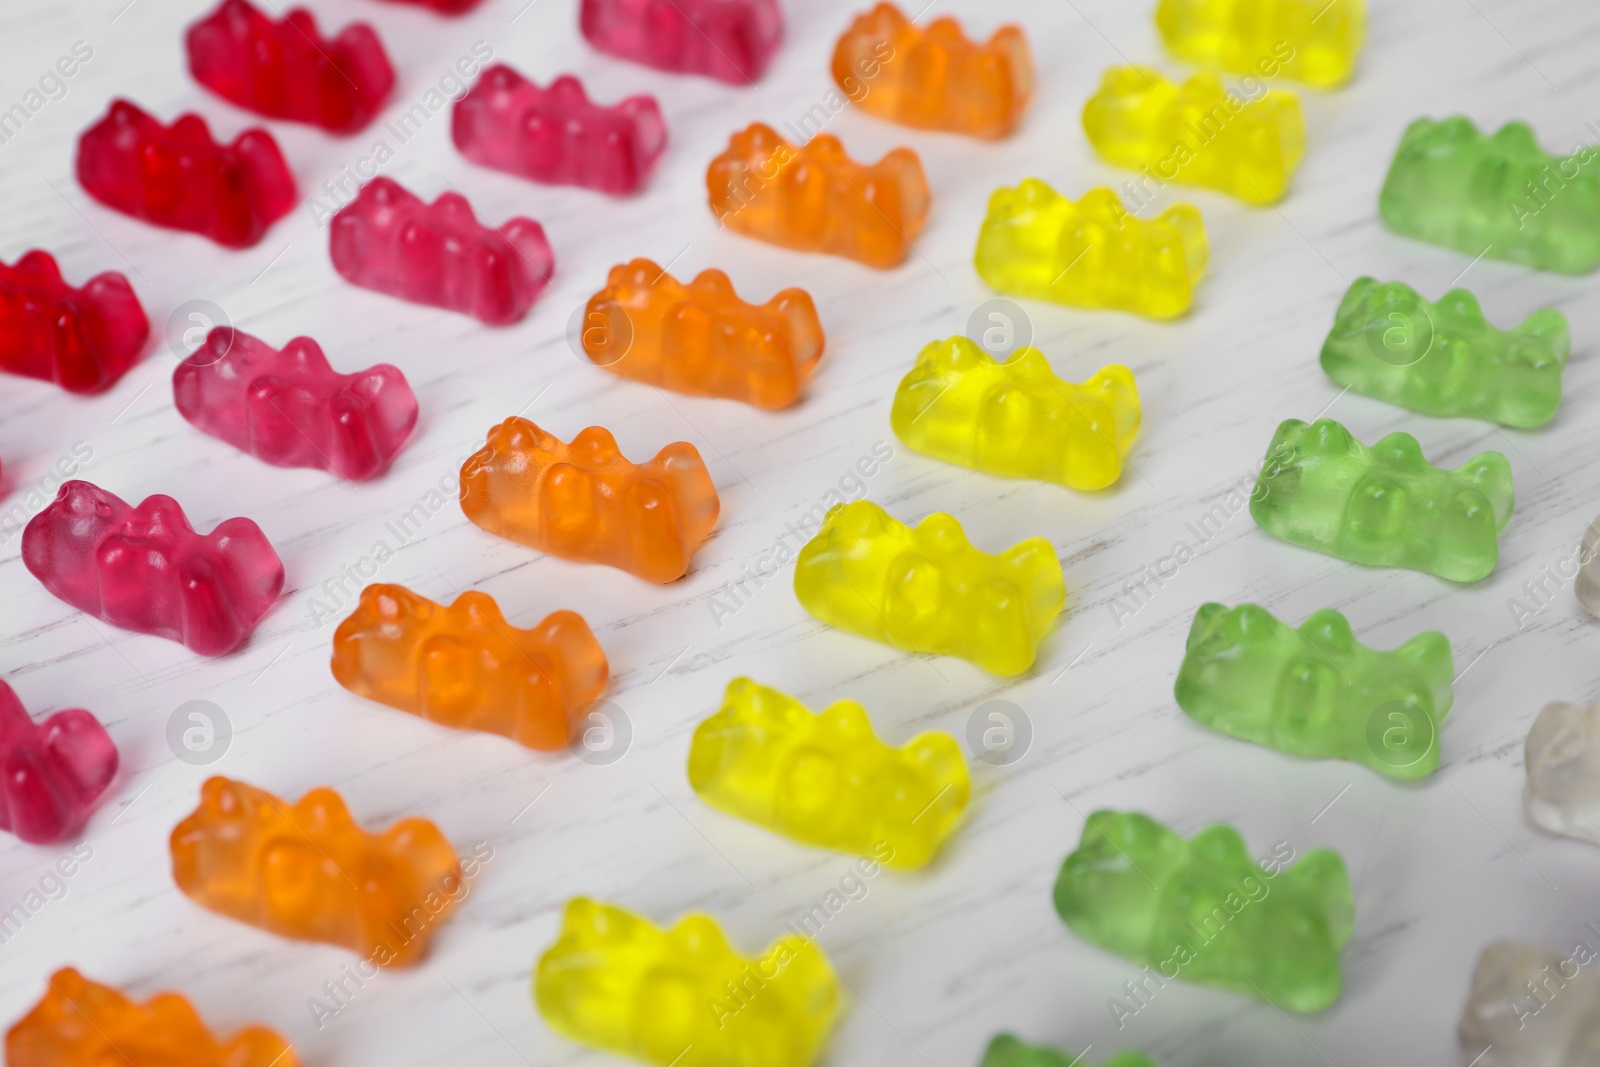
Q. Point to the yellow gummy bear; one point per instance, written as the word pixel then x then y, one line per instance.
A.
pixel 927 589
pixel 1198 133
pixel 826 779
pixel 616 981
pixel 1313 41
pixel 1017 419
pixel 1092 253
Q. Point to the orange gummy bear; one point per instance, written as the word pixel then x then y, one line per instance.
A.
pixel 585 501
pixel 817 199
pixel 465 666
pixel 935 79
pixel 700 338
pixel 79 1023
pixel 309 872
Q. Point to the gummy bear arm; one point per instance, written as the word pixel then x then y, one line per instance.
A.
pixel 1550 325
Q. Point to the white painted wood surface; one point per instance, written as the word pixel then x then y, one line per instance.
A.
pixel 935 961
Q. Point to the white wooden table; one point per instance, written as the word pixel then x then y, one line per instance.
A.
pixel 935 962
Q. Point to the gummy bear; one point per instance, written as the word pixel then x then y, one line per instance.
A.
pixel 934 78
pixel 1502 197
pixel 1562 756
pixel 557 135
pixel 826 779
pixel 1316 690
pixel 81 339
pixel 927 589
pixel 307 871
pixel 290 408
pixel 1587 586
pixel 730 40
pixel 1203 910
pixel 700 338
pixel 1092 253
pixel 1191 134
pixel 1007 1051
pixel 178 177
pixel 79 1023
pixel 817 199
pixel 438 254
pixel 465 666
pixel 1532 1007
pixel 616 982
pixel 145 569
pixel 51 772
pixel 1446 359
pixel 287 69
pixel 1016 418
pixel 1313 41
pixel 585 501
pixel 1384 506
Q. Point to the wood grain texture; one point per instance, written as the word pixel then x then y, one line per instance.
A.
pixel 936 961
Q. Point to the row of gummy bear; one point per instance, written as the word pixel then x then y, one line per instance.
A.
pixel 1318 486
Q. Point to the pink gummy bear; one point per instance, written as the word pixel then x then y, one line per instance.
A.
pixel 81 339
pixel 557 135
pixel 439 254
pixel 51 772
pixel 145 569
pixel 287 69
pixel 730 40
pixel 290 408
pixel 177 176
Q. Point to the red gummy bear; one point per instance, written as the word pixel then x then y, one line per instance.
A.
pixel 443 7
pixel 288 70
pixel 439 254
pixel 145 569
pixel 51 772
pixel 730 40
pixel 81 339
pixel 292 409
pixel 180 178
pixel 557 135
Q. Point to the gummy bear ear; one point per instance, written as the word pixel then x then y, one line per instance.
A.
pixel 1321 876
pixel 941 756
pixel 1491 473
pixel 1463 304
pixel 1329 629
pixel 1550 325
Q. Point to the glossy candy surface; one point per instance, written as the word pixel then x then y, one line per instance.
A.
pixel 1316 690
pixel 585 501
pixel 1007 1051
pixel 826 779
pixel 700 338
pixel 817 199
pixel 928 589
pixel 730 40
pixel 1446 359
pixel 1203 910
pixel 80 1023
pixel 52 772
pixel 1383 505
pixel 465 666
pixel 557 135
pixel 145 569
pixel 1313 41
pixel 1091 253
pixel 1140 120
pixel 81 339
pixel 286 69
pixel 617 982
pixel 1531 1006
pixel 289 408
pixel 934 77
pixel 307 871
pixel 438 254
pixel 442 7
pixel 1016 418
pixel 178 177
pixel 1562 757
pixel 1502 197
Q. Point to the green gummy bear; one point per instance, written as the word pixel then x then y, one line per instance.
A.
pixel 1317 691
pixel 1204 911
pixel 1503 196
pixel 1007 1051
pixel 1446 359
pixel 1384 505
